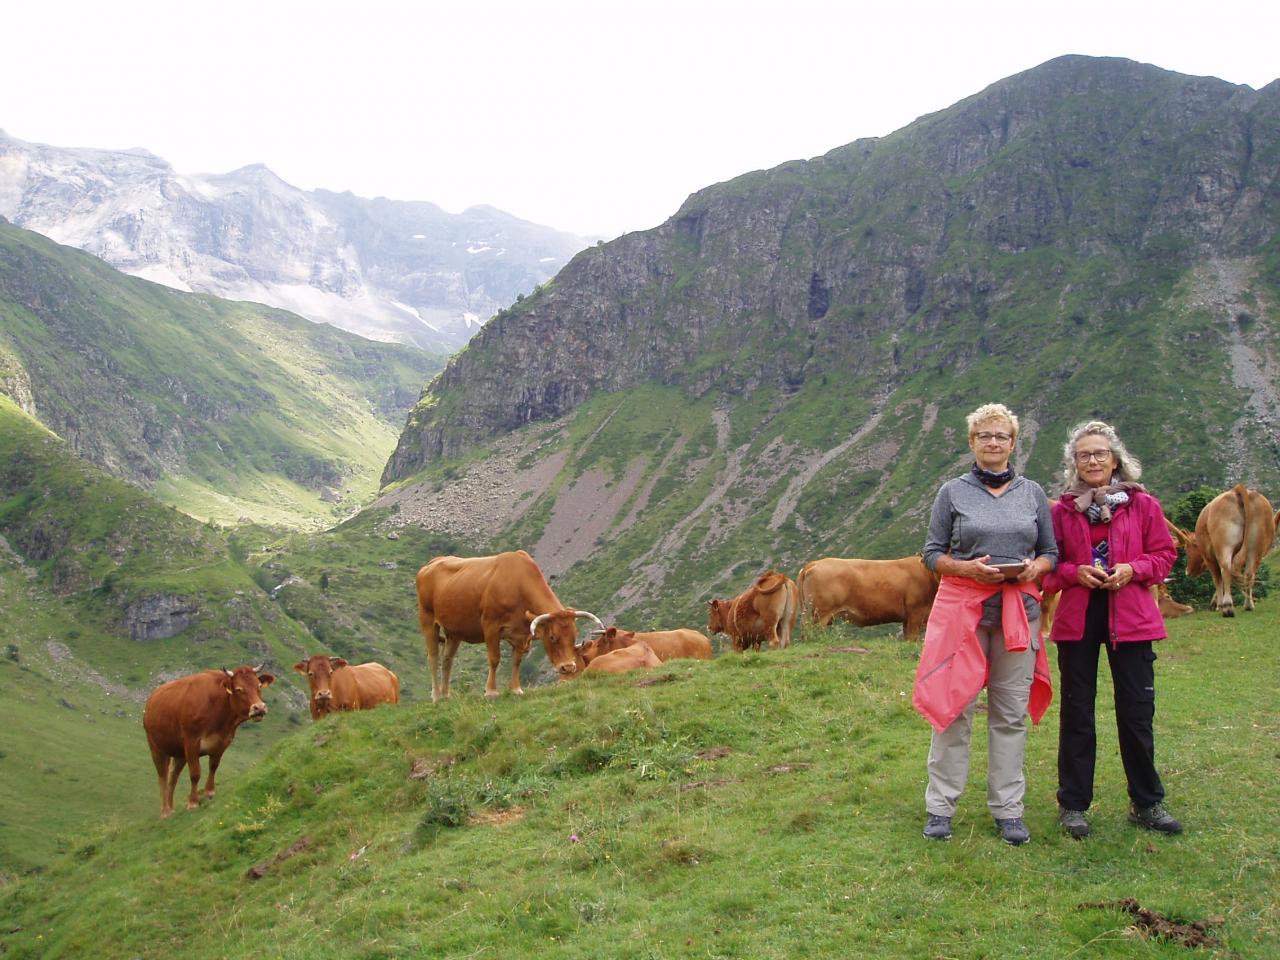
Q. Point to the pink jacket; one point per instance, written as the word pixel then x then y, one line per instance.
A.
pixel 1139 537
pixel 952 666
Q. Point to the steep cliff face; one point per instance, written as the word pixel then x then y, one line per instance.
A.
pixel 388 270
pixel 1083 187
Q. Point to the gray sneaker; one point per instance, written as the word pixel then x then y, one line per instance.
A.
pixel 1073 822
pixel 1013 831
pixel 937 828
pixel 1155 817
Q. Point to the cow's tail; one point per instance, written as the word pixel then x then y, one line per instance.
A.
pixel 804 602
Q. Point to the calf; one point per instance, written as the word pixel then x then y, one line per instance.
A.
pixel 336 685
pixel 666 644
pixel 637 656
pixel 764 613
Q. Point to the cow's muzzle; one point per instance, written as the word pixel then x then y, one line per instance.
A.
pixel 324 696
pixel 567 669
pixel 257 711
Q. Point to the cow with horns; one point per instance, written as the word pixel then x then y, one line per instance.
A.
pixel 489 599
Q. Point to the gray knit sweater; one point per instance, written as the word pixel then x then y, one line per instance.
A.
pixel 969 522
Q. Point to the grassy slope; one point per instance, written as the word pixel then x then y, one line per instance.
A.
pixel 234 409
pixel 803 839
pixel 95 547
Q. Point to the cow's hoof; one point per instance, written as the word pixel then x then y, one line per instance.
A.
pixel 1228 613
pixel 518 692
pixel 166 814
pixel 193 805
pixel 492 694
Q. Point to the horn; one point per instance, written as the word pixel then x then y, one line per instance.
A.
pixel 533 627
pixel 258 668
pixel 229 673
pixel 581 614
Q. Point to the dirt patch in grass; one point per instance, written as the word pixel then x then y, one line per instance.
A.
pixel 259 870
pixel 714 753
pixel 496 818
pixel 1150 923
pixel 707 784
pixel 650 681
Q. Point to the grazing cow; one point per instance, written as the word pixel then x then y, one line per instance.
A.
pixel 666 644
pixel 637 656
pixel 764 613
pixel 869 592
pixel 1233 533
pixel 336 685
pixel 487 599
pixel 196 716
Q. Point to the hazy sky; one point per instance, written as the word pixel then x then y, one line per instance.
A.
pixel 595 117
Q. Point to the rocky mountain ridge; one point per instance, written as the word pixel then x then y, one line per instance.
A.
pixel 388 270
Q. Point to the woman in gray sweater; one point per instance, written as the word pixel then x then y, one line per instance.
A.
pixel 986 517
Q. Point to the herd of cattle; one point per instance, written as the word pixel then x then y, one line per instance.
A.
pixel 506 597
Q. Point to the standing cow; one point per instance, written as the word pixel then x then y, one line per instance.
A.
pixel 764 613
pixel 1233 533
pixel 869 592
pixel 336 685
pixel 197 716
pixel 489 599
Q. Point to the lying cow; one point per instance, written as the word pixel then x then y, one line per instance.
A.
pixel 489 599
pixel 336 685
pixel 869 592
pixel 764 613
pixel 666 644
pixel 636 656
pixel 1233 533
pixel 197 716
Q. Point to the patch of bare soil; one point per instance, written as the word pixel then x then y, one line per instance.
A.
pixel 787 767
pixel 583 513
pixel 660 678
pixel 68 668
pixel 707 784
pixel 259 870
pixel 496 818
pixel 1149 923
pixel 848 650
pixel 713 753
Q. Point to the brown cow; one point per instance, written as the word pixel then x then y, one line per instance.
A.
pixel 196 716
pixel 1233 533
pixel 336 685
pixel 764 612
pixel 637 656
pixel 666 644
pixel 487 599
pixel 869 592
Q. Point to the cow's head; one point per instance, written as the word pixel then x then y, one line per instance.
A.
pixel 319 672
pixel 1195 558
pixel 558 632
pixel 1169 607
pixel 717 616
pixel 607 642
pixel 244 688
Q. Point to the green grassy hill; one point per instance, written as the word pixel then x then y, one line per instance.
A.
pixel 766 805
pixel 226 410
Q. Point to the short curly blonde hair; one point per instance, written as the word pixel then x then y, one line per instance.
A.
pixel 991 411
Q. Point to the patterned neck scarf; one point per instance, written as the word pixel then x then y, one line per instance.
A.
pixel 987 478
pixel 1096 502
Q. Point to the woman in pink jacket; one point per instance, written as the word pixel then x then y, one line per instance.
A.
pixel 1113 545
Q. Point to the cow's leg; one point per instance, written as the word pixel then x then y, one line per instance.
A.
pixel 175 771
pixel 1226 603
pixel 209 787
pixel 493 648
pixel 161 760
pixel 193 765
pixel 913 626
pixel 431 639
pixel 450 651
pixel 518 650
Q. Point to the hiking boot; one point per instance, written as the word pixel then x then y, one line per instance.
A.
pixel 937 828
pixel 1154 817
pixel 1013 831
pixel 1073 822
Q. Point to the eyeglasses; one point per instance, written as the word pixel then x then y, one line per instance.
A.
pixel 986 437
pixel 1084 456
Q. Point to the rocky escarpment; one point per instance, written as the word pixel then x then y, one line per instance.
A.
pixel 1080 188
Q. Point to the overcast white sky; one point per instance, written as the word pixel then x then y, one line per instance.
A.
pixel 596 117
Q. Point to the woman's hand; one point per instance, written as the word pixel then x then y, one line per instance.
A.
pixel 1092 577
pixel 1120 575
pixel 978 569
pixel 1035 569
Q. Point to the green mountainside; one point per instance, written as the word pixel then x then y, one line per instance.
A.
pixel 226 410
pixel 780 371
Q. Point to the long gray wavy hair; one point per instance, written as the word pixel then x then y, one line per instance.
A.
pixel 1128 467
